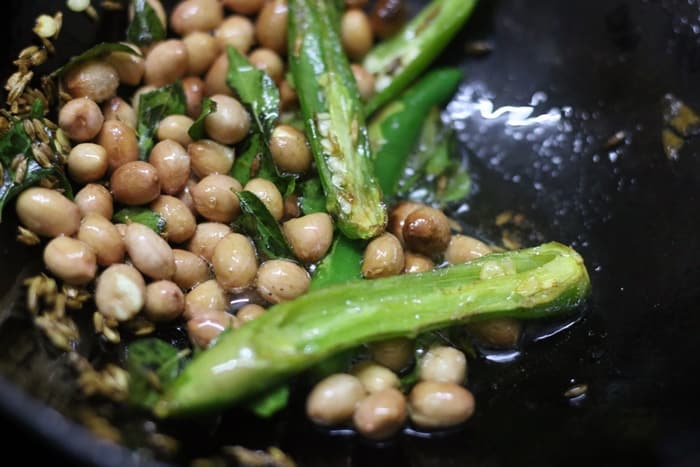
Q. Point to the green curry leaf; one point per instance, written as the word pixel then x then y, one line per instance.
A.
pixel 145 216
pixel 197 130
pixel 154 106
pixel 145 27
pixel 152 364
pixel 256 221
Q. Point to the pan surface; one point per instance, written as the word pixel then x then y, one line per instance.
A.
pixel 562 122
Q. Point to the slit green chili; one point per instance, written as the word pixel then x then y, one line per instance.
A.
pixel 334 119
pixel 295 335
pixel 395 63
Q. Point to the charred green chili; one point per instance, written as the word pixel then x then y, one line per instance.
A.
pixel 396 62
pixel 334 119
pixel 295 335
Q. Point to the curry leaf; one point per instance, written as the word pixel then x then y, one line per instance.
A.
pixel 152 364
pixel 244 168
pixel 270 402
pixel 145 216
pixel 259 94
pixel 96 51
pixel 145 27
pixel 256 221
pixel 154 106
pixel 436 173
pixel 255 89
pixel 196 130
pixel 312 197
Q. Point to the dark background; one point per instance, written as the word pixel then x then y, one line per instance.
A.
pixel 588 69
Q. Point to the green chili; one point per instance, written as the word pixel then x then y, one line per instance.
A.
pixel 395 131
pixel 396 62
pixel 294 336
pixel 334 118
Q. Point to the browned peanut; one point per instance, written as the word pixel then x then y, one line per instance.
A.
pixel 416 263
pixel 136 96
pixel 245 7
pixel 135 183
pixel 206 237
pixel 235 262
pixel 397 217
pixel 215 198
pixel 383 257
pixel 209 157
pixel 237 31
pixel 87 162
pixel 120 292
pixel 463 248
pixel 202 50
pixel 95 79
pixel 439 405
pixel 268 193
pixel 290 150
pixel 180 224
pixel 196 15
pixel 271 26
pixel 149 253
pixel 194 89
pixel 172 164
pixel 387 17
pixel 249 312
pixel 104 239
pixel 164 301
pixel 205 297
pixel 364 80
pixel 129 67
pixel 229 123
pixel 332 401
pixel 117 108
pixel 309 236
pixel 166 62
pixel 500 333
pixel 70 260
pixel 204 328
pixel 215 79
pixel 190 269
pixel 288 96
pixel 81 119
pixel 380 415
pixel 375 377
pixel 95 198
pixel 268 61
pixel 443 364
pixel 119 140
pixel 395 354
pixel 356 33
pixel 175 127
pixel 426 231
pixel 47 212
pixel 281 280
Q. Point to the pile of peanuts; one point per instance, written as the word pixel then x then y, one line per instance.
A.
pixel 199 269
pixel 369 396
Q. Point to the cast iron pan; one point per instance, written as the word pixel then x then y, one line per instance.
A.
pixel 575 73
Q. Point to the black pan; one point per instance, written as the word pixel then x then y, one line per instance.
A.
pixel 585 70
